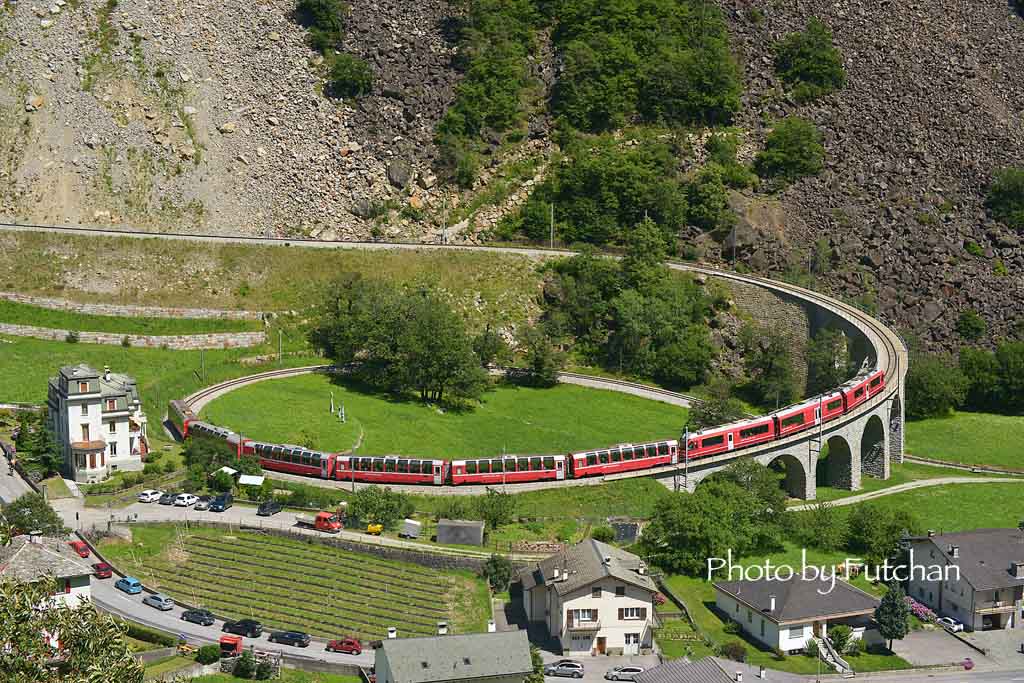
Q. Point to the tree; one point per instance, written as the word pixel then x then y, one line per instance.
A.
pixel 208 654
pixel 498 571
pixel 970 325
pixel 935 386
pixel 708 201
pixel 875 532
pixel 375 504
pixel 37 449
pixel 822 527
pixel 603 533
pixel 31 512
pixel 538 666
pixel 245 667
pixel 809 63
pixel 717 408
pixel 769 362
pixel 93 647
pixel 840 635
pixel 221 481
pixel 828 361
pixel 762 484
pixel 892 614
pixel 491 348
pixel 792 150
pixel 543 360
pixel 264 670
pixel 983 376
pixel 1005 200
pixel 496 508
pixel 1010 357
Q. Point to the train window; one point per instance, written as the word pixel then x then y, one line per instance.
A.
pixel 652 451
pixel 378 465
pixel 549 463
pixel 403 465
pixel 603 457
pixel 497 466
pixel 414 466
pixel 834 405
pixel 523 464
pixel 792 420
pixel 693 445
pixel 427 467
pixel 859 392
pixel 756 430
pixel 389 465
pixel 616 455
pixel 366 464
pixel 471 466
pixel 875 382
pixel 536 463
pixel 663 449
pixel 712 441
pixel 627 454
pixel 591 458
pixel 485 466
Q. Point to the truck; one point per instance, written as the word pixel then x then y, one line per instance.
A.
pixel 322 521
pixel 230 646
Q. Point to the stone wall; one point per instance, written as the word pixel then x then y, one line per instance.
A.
pixel 124 311
pixel 180 342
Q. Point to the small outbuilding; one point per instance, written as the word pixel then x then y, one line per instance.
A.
pixel 460 532
pixel 501 657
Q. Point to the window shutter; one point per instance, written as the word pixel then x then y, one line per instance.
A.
pixel 643 613
pixel 620 613
pixel 595 614
pixel 568 617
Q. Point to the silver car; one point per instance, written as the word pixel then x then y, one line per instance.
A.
pixel 623 673
pixel 564 667
pixel 203 503
pixel 159 601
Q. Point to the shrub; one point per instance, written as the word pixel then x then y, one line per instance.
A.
pixel 72 337
pixel 811 648
pixel 809 63
pixel 603 533
pixel 263 670
pixel 971 326
pixel 126 341
pixel 350 76
pixel 732 627
pixel 857 647
pixel 245 667
pixel 973 249
pixel 326 21
pixel 498 571
pixel 999 268
pixel 734 650
pixel 792 150
pixel 149 635
pixel 208 654
pixel 840 635
pixel 935 386
pixel 721 148
pixel 709 206
pixel 150 469
pixel 1005 200
pixel 169 467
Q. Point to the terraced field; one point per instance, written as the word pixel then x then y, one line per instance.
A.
pixel 291 584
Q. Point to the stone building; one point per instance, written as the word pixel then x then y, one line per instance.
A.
pixel 29 559
pixel 501 657
pixel 97 421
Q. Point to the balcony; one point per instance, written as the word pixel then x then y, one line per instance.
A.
pixel 994 606
pixel 584 626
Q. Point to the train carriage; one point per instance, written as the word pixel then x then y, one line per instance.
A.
pixel 294 459
pixel 832 406
pixel 222 438
pixel 796 418
pixel 390 470
pixel 508 469
pixel 876 382
pixel 855 392
pixel 179 415
pixel 623 458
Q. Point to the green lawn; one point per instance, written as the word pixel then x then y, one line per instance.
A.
pixel 25 314
pixel 55 488
pixel 287 676
pixel 279 581
pixel 167 665
pixel 899 474
pixel 511 418
pixel 970 439
pixel 960 507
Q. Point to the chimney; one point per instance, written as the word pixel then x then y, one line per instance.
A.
pixel 106 372
pixel 931 533
pixel 739 677
pixel 557 573
pixel 442 628
pixel 392 632
pixel 491 626
pixel 1017 569
pixel 954 551
pixel 771 603
pixel 607 560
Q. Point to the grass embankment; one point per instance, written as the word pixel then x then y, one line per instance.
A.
pixel 969 439
pixel 24 314
pixel 486 287
pixel 55 488
pixel 289 584
pixel 899 474
pixel 514 419
pixel 960 507
pixel 165 668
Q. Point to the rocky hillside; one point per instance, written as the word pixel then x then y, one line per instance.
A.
pixel 934 103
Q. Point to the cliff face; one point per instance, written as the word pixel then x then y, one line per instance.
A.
pixel 933 105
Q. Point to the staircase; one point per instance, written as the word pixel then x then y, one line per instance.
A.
pixel 829 655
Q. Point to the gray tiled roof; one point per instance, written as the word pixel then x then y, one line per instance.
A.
pixel 799 599
pixel 445 658
pixel 709 670
pixel 26 561
pixel 985 555
pixel 584 564
pixel 80 371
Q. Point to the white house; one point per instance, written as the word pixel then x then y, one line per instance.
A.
pixel 786 614
pixel 97 420
pixel 29 559
pixel 594 599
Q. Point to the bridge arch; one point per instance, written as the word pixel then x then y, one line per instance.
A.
pixel 835 467
pixel 795 480
pixel 873 449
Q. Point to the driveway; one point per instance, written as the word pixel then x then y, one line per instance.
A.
pixel 1003 646
pixel 937 648
pixel 595 666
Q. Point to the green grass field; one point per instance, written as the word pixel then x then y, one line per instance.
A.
pixel 24 314
pixel 510 418
pixel 970 439
pixel 899 474
pixel 165 668
pixel 960 507
pixel 292 584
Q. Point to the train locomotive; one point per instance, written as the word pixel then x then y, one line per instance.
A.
pixel 512 469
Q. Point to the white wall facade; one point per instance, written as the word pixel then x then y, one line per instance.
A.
pixel 628 635
pixel 787 637
pixel 72 591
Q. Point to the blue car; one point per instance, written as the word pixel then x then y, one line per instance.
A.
pixel 129 584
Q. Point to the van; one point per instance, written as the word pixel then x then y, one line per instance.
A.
pixel 221 502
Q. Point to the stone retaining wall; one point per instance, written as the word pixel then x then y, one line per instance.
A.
pixel 180 342
pixel 123 311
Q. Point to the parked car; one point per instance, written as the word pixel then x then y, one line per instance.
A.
pixel 221 502
pixel 150 496
pixel 950 624
pixel 349 646
pixel 198 616
pixel 295 638
pixel 129 584
pixel 623 673
pixel 268 508
pixel 185 500
pixel 203 503
pixel 159 601
pixel 102 570
pixel 167 498
pixel 80 547
pixel 244 627
pixel 564 667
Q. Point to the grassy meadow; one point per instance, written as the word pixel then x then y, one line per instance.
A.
pixel 969 439
pixel 24 314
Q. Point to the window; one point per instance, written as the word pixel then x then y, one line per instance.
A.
pixel 875 382
pixel 586 614
pixel 712 441
pixel 859 392
pixel 620 591
pixel 497 466
pixel 652 451
pixel 750 617
pixel 617 455
pixel 793 420
pixel 627 613
pixel 834 405
pixel 549 463
pixel 403 465
pixel 112 427
pixel 85 409
pixel 591 458
pixel 92 461
pixel 603 457
pixel 523 464
pixel 762 628
pixel 595 592
pixel 756 430
pixel 796 633
pixel 378 465
pixel 83 387
pixel 111 404
pixel 389 465
pixel 85 433
pixel 113 449
pixel 627 453
pixel 536 463
pixel 663 449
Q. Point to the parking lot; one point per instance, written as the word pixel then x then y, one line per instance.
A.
pixel 594 667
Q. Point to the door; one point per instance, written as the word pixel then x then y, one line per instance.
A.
pixel 632 646
pixel 730 441
pixel 601 644
pixel 817 629
pixel 817 415
pixel 324 472
pixel 559 469
pixel 437 474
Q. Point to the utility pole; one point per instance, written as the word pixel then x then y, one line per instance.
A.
pixel 552 225
pixel 733 246
pixel 444 220
pixel 280 355
pixel 202 359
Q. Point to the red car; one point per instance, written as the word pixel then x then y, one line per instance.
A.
pixel 80 547
pixel 102 570
pixel 349 646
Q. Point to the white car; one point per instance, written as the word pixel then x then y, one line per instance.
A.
pixel 185 500
pixel 150 496
pixel 950 624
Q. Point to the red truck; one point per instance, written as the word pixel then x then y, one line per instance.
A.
pixel 322 521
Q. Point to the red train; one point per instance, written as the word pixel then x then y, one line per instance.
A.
pixel 511 469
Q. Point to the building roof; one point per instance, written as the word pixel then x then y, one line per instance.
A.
pixel 29 559
pixel 80 371
pixel 250 480
pixel 585 563
pixel 708 670
pixel 985 555
pixel 800 599
pixel 445 658
pixel 461 523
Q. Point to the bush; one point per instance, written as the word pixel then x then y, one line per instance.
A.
pixel 999 268
pixel 734 650
pixel 840 635
pixel 811 648
pixel 498 572
pixel 857 647
pixel 971 326
pixel 793 150
pixel 350 76
pixel 151 469
pixel 263 670
pixel 1005 200
pixel 603 533
pixel 150 635
pixel 208 654
pixel 245 667
pixel 126 341
pixel 973 249
pixel 935 386
pixel 809 63
pixel 708 198
pixel 326 22
pixel 169 467
pixel 721 148
pixel 733 627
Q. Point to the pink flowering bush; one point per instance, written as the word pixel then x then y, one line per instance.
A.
pixel 921 611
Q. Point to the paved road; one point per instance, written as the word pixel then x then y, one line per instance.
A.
pixel 11 485
pixel 909 486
